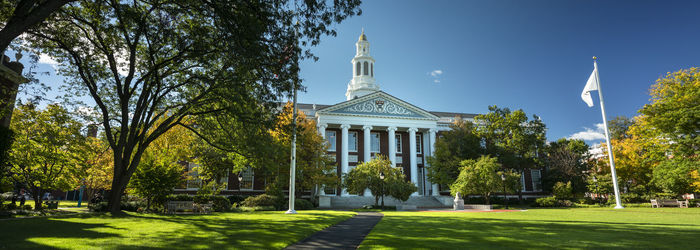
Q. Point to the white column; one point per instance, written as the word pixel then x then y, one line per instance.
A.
pixel 344 153
pixel 412 154
pixel 392 145
pixel 367 129
pixel 431 134
pixel 322 131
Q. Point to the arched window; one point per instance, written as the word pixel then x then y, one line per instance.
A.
pixel 366 68
pixel 372 70
pixel 357 68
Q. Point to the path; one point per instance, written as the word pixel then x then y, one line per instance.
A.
pixel 344 235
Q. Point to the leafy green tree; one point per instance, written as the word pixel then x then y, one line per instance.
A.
pixel 453 146
pixel 675 110
pixel 512 138
pixel 313 165
pixel 600 183
pixel 141 61
pixel 43 156
pixel 566 161
pixel 563 190
pixel 478 177
pixel 367 176
pixel 156 178
pixel 618 127
pixel 675 176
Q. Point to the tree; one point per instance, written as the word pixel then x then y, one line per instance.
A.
pixel 367 176
pixel 141 61
pixel 675 110
pixel 513 139
pixel 44 155
pixel 675 176
pixel 600 183
pixel 95 165
pixel 455 145
pixel 156 178
pixel 313 165
pixel 566 162
pixel 478 177
pixel 618 127
pixel 19 16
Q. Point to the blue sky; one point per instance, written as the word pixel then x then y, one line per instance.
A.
pixel 530 55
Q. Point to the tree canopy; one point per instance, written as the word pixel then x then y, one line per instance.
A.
pixel 144 61
pixel 478 177
pixel 453 146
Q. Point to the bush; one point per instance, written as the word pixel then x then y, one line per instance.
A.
pixel 546 201
pixel 564 203
pixel 263 200
pixel 236 199
pixel 131 206
pixel 220 203
pixel 563 191
pixel 179 197
pixel 302 204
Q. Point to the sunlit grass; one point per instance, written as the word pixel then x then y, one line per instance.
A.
pixel 639 228
pixel 220 230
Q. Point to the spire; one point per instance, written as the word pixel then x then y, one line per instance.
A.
pixel 362 82
pixel 362 36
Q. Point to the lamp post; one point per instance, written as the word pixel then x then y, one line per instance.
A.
pixel 240 179
pixel 595 181
pixel 381 177
pixel 505 197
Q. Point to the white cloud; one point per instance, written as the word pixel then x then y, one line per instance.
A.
pixel 46 59
pixel 589 134
pixel 435 74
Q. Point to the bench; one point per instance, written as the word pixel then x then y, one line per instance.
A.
pixel 669 203
pixel 51 204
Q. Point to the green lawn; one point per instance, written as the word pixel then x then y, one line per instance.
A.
pixel 640 228
pixel 220 230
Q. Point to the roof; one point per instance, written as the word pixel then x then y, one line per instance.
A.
pixel 452 114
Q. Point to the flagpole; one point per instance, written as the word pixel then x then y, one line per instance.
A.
pixel 607 139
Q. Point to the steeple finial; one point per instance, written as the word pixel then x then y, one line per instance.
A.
pixel 362 36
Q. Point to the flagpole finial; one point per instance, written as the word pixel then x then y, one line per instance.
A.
pixel 594 58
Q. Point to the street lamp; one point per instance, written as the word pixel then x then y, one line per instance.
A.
pixel 240 179
pixel 505 197
pixel 381 177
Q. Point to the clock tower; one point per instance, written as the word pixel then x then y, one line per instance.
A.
pixel 362 82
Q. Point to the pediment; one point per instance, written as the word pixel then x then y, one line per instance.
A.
pixel 378 104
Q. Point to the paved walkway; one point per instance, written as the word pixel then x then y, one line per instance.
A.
pixel 344 235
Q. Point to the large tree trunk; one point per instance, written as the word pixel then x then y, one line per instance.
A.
pixel 27 13
pixel 37 199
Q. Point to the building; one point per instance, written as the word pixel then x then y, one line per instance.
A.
pixel 372 122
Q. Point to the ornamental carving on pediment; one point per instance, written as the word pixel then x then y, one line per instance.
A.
pixel 380 106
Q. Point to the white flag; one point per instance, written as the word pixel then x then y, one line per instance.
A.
pixel 591 85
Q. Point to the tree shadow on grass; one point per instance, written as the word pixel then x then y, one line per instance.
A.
pixel 237 230
pixel 479 233
pixel 26 233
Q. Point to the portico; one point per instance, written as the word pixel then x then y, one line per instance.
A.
pixel 378 123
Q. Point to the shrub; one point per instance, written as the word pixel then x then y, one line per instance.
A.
pixel 179 197
pixel 131 206
pixel 219 203
pixel 98 206
pixel 562 191
pixel 262 200
pixel 546 201
pixel 564 203
pixel 303 204
pixel 236 199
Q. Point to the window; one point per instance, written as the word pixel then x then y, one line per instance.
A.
pixel 372 67
pixel 193 180
pixel 330 139
pixel 522 181
pixel 366 69
pixel 357 68
pixel 536 176
pixel 224 180
pixel 352 141
pixel 374 142
pixel 247 181
pixel 418 143
pixel 398 144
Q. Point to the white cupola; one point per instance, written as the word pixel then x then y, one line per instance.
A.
pixel 362 82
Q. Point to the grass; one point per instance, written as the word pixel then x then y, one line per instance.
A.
pixel 641 228
pixel 267 230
